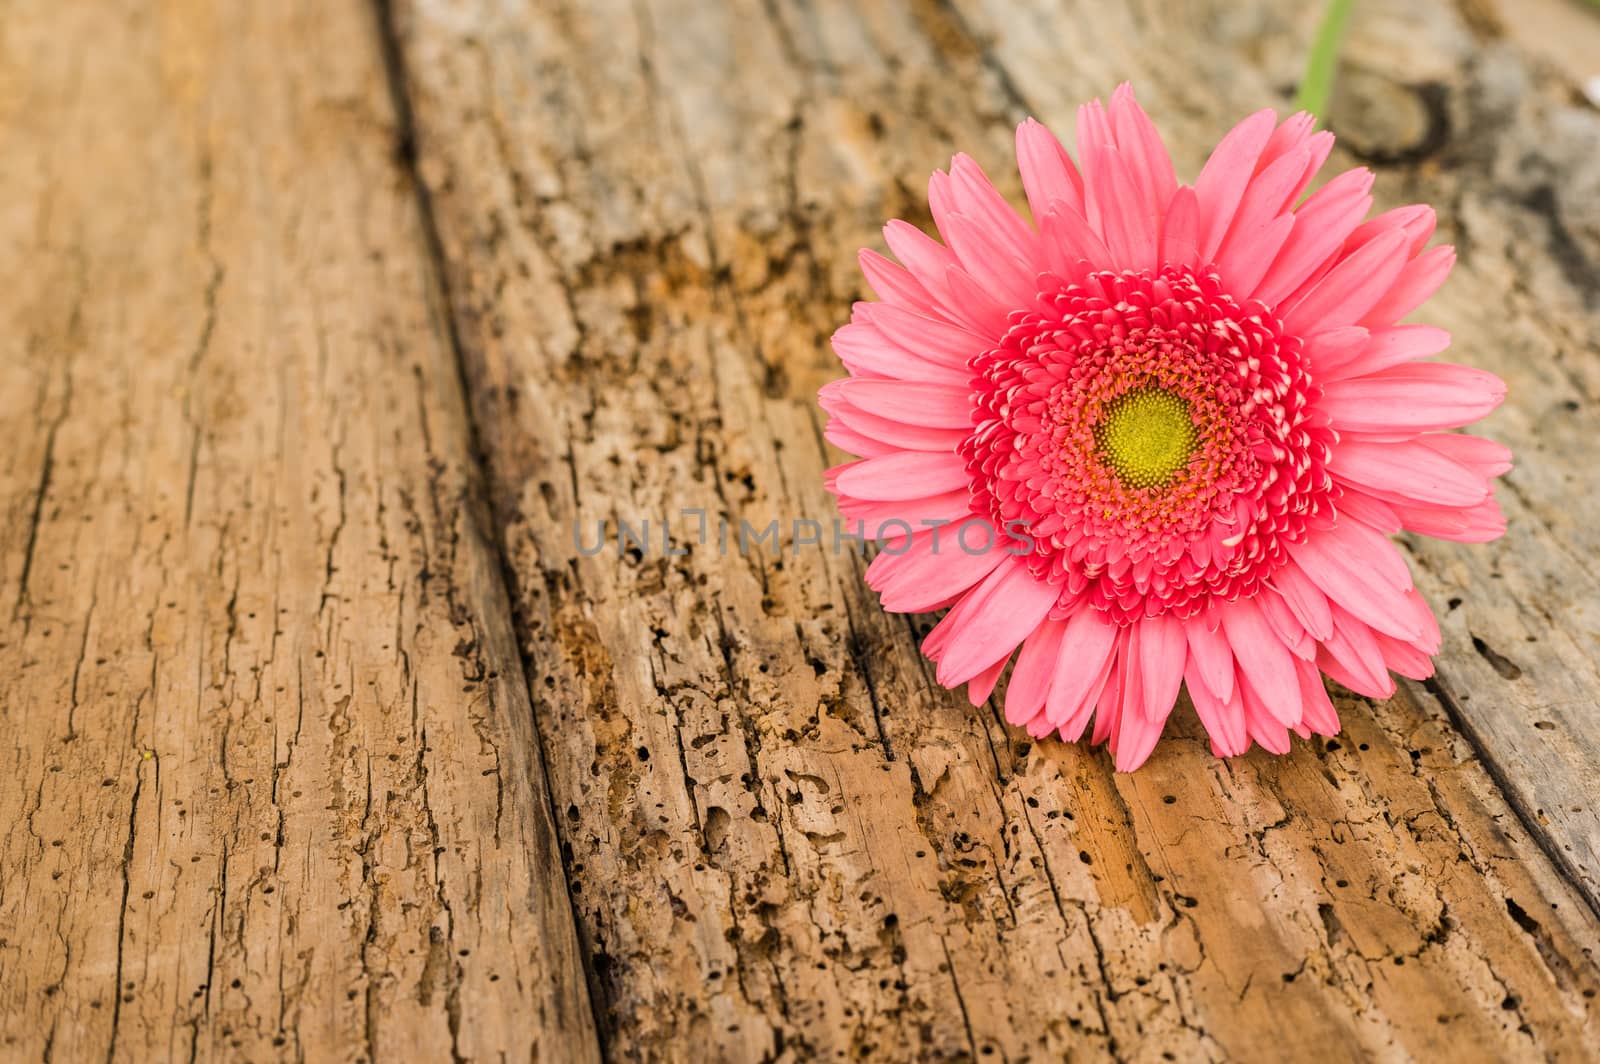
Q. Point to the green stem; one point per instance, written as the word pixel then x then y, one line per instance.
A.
pixel 1318 80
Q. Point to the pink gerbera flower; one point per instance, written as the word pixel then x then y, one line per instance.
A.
pixel 1161 436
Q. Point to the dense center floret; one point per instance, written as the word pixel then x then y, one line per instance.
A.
pixel 1157 439
pixel 1147 436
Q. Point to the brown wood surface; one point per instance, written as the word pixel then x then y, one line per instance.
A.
pixel 268 785
pixel 327 323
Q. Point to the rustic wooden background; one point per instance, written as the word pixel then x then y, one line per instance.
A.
pixel 320 740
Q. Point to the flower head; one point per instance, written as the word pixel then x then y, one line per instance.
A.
pixel 1160 437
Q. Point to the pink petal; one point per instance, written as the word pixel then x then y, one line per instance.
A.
pixel 933 405
pixel 923 257
pixel 1047 171
pixel 867 352
pixel 1406 472
pixel 1130 696
pixel 1292 134
pixel 895 284
pixel 981 686
pixel 1420 278
pixel 1374 513
pixel 1384 348
pixel 1226 174
pixel 1223 717
pixel 1163 650
pixel 1480 524
pixel 1281 619
pixel 1358 544
pixel 907 475
pixel 1210 658
pixel 1484 457
pixel 1070 241
pixel 1350 289
pixel 976 198
pixel 850 441
pixel 895 520
pixel 1264 660
pixel 1297 137
pixel 1094 140
pixel 1320 144
pixel 1261 206
pixel 1415 220
pixel 1262 716
pixel 1141 147
pixel 1355 567
pixel 1352 657
pixel 936 341
pixel 1403 658
pixel 1422 617
pixel 1333 348
pixel 884 433
pixel 988 623
pixel 1317 707
pixel 1180 232
pixel 986 257
pixel 1412 398
pixel 1321 226
pixel 1126 225
pixel 973 305
pixel 941 200
pixel 1030 679
pixel 917 574
pixel 1304 599
pixel 1102 686
pixel 1245 260
pixel 1136 737
pixel 1080 662
pixel 1108 704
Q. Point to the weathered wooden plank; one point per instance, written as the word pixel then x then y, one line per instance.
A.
pixel 1526 184
pixel 784 841
pixel 268 786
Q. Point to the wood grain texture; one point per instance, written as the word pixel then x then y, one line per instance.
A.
pixel 784 841
pixel 268 783
pixel 277 780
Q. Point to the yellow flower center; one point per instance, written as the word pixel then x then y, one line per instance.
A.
pixel 1146 436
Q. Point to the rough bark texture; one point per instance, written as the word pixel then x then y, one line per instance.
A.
pixel 272 784
pixel 269 785
pixel 783 840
